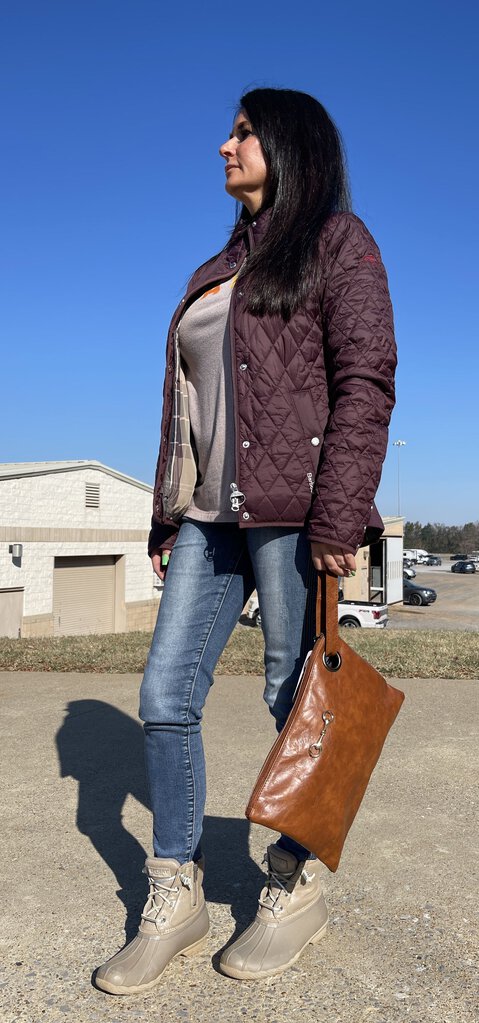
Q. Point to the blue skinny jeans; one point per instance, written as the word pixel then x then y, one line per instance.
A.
pixel 213 569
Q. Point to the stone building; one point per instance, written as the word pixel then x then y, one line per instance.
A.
pixel 73 555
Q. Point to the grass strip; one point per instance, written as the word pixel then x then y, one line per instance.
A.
pixel 402 654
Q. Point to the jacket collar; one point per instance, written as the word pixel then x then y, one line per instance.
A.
pixel 249 233
pixel 255 226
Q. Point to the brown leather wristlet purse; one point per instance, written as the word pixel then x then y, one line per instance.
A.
pixel 315 776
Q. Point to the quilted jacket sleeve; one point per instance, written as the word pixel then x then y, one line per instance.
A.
pixel 360 355
pixel 161 537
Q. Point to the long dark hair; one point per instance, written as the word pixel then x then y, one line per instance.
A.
pixel 308 181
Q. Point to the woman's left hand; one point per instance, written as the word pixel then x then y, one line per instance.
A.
pixel 332 559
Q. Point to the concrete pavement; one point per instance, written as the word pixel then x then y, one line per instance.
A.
pixel 402 944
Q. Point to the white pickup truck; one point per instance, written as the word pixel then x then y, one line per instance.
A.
pixel 352 614
pixel 355 614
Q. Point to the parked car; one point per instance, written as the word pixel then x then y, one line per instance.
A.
pixel 352 614
pixel 355 614
pixel 458 557
pixel 417 595
pixel 253 614
pixel 432 559
pixel 463 566
pixel 408 573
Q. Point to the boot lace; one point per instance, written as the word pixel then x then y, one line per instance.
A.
pixel 280 883
pixel 160 896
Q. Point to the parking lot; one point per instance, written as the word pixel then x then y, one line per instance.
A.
pixel 456 607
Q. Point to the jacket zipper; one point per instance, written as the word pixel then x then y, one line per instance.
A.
pixel 237 498
pixel 172 441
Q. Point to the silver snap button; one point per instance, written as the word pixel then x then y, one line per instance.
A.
pixel 240 294
pixel 246 443
pixel 253 223
pixel 243 366
pixel 245 515
pixel 232 264
pixel 315 441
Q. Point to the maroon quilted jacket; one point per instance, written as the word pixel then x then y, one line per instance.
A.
pixel 313 397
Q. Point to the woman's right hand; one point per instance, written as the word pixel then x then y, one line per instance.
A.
pixel 159 568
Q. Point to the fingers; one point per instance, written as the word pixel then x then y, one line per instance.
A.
pixel 159 570
pixel 332 560
pixel 329 563
pixel 350 561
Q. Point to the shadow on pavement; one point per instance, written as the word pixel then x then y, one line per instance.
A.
pixel 102 748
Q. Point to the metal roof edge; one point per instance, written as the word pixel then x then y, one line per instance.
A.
pixel 49 469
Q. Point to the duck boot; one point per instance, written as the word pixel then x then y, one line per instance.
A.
pixel 291 915
pixel 174 922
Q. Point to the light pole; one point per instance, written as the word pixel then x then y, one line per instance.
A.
pixel 399 444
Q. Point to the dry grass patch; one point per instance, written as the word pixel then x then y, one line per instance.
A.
pixel 125 652
pixel 418 653
pixel 401 654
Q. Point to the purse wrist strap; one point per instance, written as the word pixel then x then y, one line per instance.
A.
pixel 327 612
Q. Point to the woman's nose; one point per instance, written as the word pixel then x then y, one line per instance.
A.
pixel 228 148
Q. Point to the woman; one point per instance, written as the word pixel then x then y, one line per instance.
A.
pixel 278 393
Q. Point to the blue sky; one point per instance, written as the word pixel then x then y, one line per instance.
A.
pixel 113 192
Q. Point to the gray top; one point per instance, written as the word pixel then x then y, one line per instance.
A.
pixel 206 355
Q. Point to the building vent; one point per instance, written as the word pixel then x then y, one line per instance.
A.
pixel 92 495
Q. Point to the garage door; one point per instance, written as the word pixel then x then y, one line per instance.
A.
pixel 11 612
pixel 83 596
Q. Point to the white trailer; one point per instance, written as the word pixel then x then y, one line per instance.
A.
pixel 414 554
